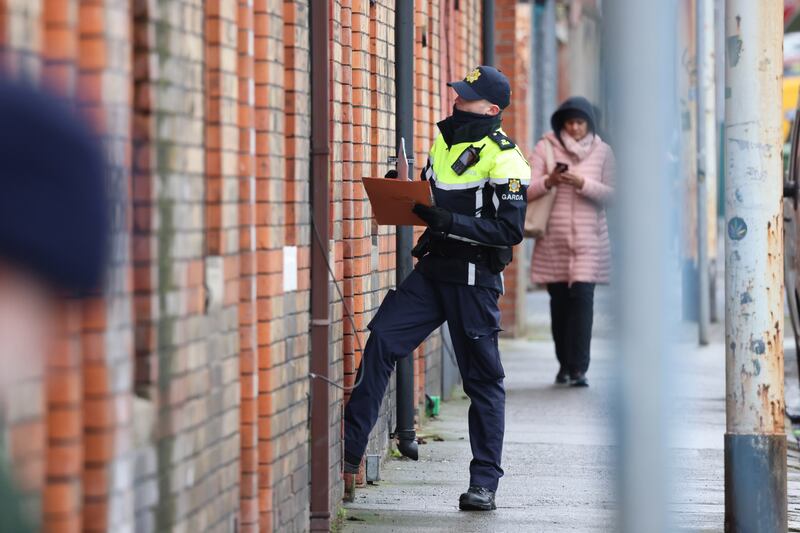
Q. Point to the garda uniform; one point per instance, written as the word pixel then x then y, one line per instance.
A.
pixel 478 216
pixel 488 202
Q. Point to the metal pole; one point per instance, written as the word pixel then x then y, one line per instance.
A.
pixel 719 111
pixel 532 77
pixel 488 32
pixel 404 83
pixel 642 70
pixel 755 441
pixel 719 73
pixel 320 298
pixel 706 157
pixel 546 65
pixel 537 69
pixel 550 70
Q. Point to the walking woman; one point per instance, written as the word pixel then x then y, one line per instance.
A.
pixel 574 254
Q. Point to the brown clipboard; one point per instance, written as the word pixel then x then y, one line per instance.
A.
pixel 393 199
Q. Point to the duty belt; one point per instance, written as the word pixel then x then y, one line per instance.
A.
pixel 472 253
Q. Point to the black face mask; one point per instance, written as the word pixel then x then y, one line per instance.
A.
pixel 464 126
pixel 462 118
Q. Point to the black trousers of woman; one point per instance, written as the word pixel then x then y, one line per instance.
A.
pixel 571 315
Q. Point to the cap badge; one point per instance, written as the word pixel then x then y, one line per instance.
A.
pixel 473 76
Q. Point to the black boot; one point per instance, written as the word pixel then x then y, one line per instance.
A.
pixel 578 380
pixel 562 378
pixel 477 499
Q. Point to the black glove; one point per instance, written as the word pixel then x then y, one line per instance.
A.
pixel 437 218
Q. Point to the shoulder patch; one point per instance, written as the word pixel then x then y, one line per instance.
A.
pixel 523 156
pixel 501 140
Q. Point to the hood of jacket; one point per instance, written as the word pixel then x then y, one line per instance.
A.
pixel 576 106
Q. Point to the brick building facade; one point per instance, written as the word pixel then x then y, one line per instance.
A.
pixel 179 398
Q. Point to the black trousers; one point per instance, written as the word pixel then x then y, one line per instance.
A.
pixel 405 318
pixel 571 316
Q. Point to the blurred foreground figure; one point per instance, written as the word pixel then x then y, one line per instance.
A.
pixel 53 232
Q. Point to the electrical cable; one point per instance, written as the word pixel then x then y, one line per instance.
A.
pixel 348 313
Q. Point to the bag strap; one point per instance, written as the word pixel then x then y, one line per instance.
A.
pixel 550 160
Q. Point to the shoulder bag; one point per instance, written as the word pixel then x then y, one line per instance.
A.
pixel 538 212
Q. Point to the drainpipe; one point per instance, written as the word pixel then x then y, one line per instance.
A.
pixel 404 85
pixel 545 60
pixel 320 360
pixel 488 32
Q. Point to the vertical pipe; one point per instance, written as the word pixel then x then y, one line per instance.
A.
pixel 532 77
pixel 706 162
pixel 550 93
pixel 319 11
pixel 640 39
pixel 537 68
pixel 545 64
pixel 719 111
pixel 755 441
pixel 719 73
pixel 404 84
pixel 488 32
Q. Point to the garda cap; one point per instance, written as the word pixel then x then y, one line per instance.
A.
pixel 54 208
pixel 484 83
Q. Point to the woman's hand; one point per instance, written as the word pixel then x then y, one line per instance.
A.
pixel 553 179
pixel 572 180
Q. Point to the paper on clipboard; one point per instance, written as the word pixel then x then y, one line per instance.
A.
pixel 392 200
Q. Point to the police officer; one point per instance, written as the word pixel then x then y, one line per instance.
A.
pixel 479 179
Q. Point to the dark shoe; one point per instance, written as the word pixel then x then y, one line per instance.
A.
pixel 562 378
pixel 578 380
pixel 477 499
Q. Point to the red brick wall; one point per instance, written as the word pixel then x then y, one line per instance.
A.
pixel 22 32
pixel 286 85
pixel 188 458
pixel 104 69
pixel 248 321
pixel 178 399
pixel 368 65
pixel 511 40
pixel 59 43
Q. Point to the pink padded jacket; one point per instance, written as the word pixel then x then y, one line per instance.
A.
pixel 575 246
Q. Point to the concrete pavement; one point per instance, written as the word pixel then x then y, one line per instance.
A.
pixel 559 453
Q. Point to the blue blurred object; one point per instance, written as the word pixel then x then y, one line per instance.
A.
pixel 54 215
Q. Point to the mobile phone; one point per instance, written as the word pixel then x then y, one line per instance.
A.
pixel 562 167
